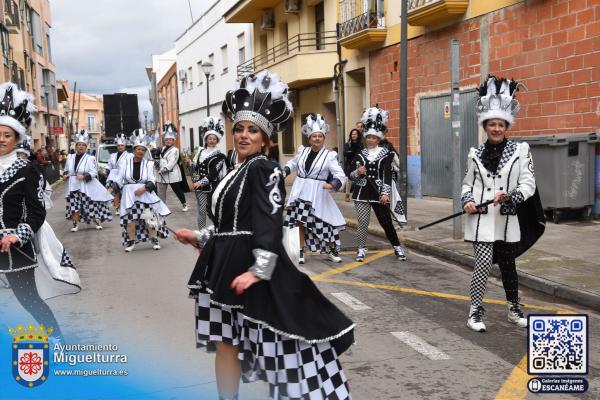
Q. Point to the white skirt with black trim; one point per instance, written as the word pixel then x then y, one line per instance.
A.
pixel 293 368
pixel 318 234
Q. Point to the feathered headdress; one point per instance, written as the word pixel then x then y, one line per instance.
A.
pixel 82 137
pixel 121 138
pixel 496 99
pixel 212 126
pixel 260 98
pixel 314 123
pixel 169 131
pixel 25 145
pixel 139 138
pixel 16 108
pixel 375 120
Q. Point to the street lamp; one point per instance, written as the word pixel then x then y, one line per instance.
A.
pixel 162 101
pixel 67 110
pixel 207 69
pixel 46 94
pixel 146 120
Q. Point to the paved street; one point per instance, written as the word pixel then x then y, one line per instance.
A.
pixel 411 336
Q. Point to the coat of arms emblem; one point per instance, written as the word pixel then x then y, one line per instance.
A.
pixel 30 354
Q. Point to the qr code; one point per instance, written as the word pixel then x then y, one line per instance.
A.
pixel 558 344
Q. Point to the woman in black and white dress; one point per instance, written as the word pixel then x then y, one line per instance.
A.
pixel 142 212
pixel 310 204
pixel 169 168
pixel 499 170
pixel 21 205
pixel 117 159
pixel 87 199
pixel 208 166
pixel 266 319
pixel 374 187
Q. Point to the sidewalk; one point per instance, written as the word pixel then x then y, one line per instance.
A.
pixel 564 263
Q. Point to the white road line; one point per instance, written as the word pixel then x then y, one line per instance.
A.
pixel 350 301
pixel 429 351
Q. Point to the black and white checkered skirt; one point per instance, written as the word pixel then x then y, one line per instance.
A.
pixel 293 368
pixel 88 209
pixel 141 230
pixel 317 233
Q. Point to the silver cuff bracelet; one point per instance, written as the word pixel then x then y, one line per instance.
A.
pixel 203 235
pixel 264 265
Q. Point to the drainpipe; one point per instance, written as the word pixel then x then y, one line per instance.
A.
pixel 338 80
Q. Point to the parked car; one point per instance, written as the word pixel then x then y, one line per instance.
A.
pixel 103 153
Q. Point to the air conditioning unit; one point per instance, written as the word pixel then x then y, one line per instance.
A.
pixel 292 6
pixel 267 20
pixel 182 75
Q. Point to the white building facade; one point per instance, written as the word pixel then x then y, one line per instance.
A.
pixel 223 45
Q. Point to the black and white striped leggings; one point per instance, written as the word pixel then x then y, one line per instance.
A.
pixel 505 255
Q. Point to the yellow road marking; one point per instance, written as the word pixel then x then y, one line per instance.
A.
pixel 515 386
pixel 395 288
pixel 352 265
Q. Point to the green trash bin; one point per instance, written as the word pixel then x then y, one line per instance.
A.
pixel 565 167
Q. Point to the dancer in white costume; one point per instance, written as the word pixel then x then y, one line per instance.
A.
pixel 87 199
pixel 138 188
pixel 310 204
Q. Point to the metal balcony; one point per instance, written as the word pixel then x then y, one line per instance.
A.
pixel 303 58
pixel 433 12
pixel 364 30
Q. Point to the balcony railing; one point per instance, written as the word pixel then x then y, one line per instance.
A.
pixel 364 21
pixel 412 4
pixel 313 41
pixel 12 10
pixel 431 12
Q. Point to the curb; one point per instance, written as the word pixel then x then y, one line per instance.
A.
pixel 546 286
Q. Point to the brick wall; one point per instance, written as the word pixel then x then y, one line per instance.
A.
pixel 553 47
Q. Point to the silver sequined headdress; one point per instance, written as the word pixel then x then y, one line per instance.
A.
pixel 497 100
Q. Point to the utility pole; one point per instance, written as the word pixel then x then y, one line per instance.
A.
pixel 78 109
pixel 456 132
pixel 403 105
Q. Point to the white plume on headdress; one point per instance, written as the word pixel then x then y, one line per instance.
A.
pixel 375 120
pixel 314 123
pixel 496 100
pixel 16 115
pixel 82 137
pixel 139 138
pixel 277 88
pixel 212 126
pixel 121 138
pixel 169 131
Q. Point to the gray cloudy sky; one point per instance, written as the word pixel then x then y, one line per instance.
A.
pixel 105 45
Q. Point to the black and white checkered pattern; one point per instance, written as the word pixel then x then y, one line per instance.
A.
pixel 507 153
pixel 24 232
pixel 363 216
pixel 483 264
pixel 294 369
pixel 202 202
pixel 65 260
pixel 317 233
pixel 88 209
pixel 141 230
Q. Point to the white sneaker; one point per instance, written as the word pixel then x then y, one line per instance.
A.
pixel 301 258
pixel 399 253
pixel 361 254
pixel 98 227
pixel 130 246
pixel 75 228
pixel 515 315
pixel 475 320
pixel 334 256
pixel 155 244
pixel 185 208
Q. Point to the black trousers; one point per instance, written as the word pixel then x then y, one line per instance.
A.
pixel 23 286
pixel 177 189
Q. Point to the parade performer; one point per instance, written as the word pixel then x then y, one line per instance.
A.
pixel 208 166
pixel 87 199
pixel 21 202
pixel 170 168
pixel 310 204
pixel 499 170
pixel 265 318
pixel 374 186
pixel 115 161
pixel 55 275
pixel 137 184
